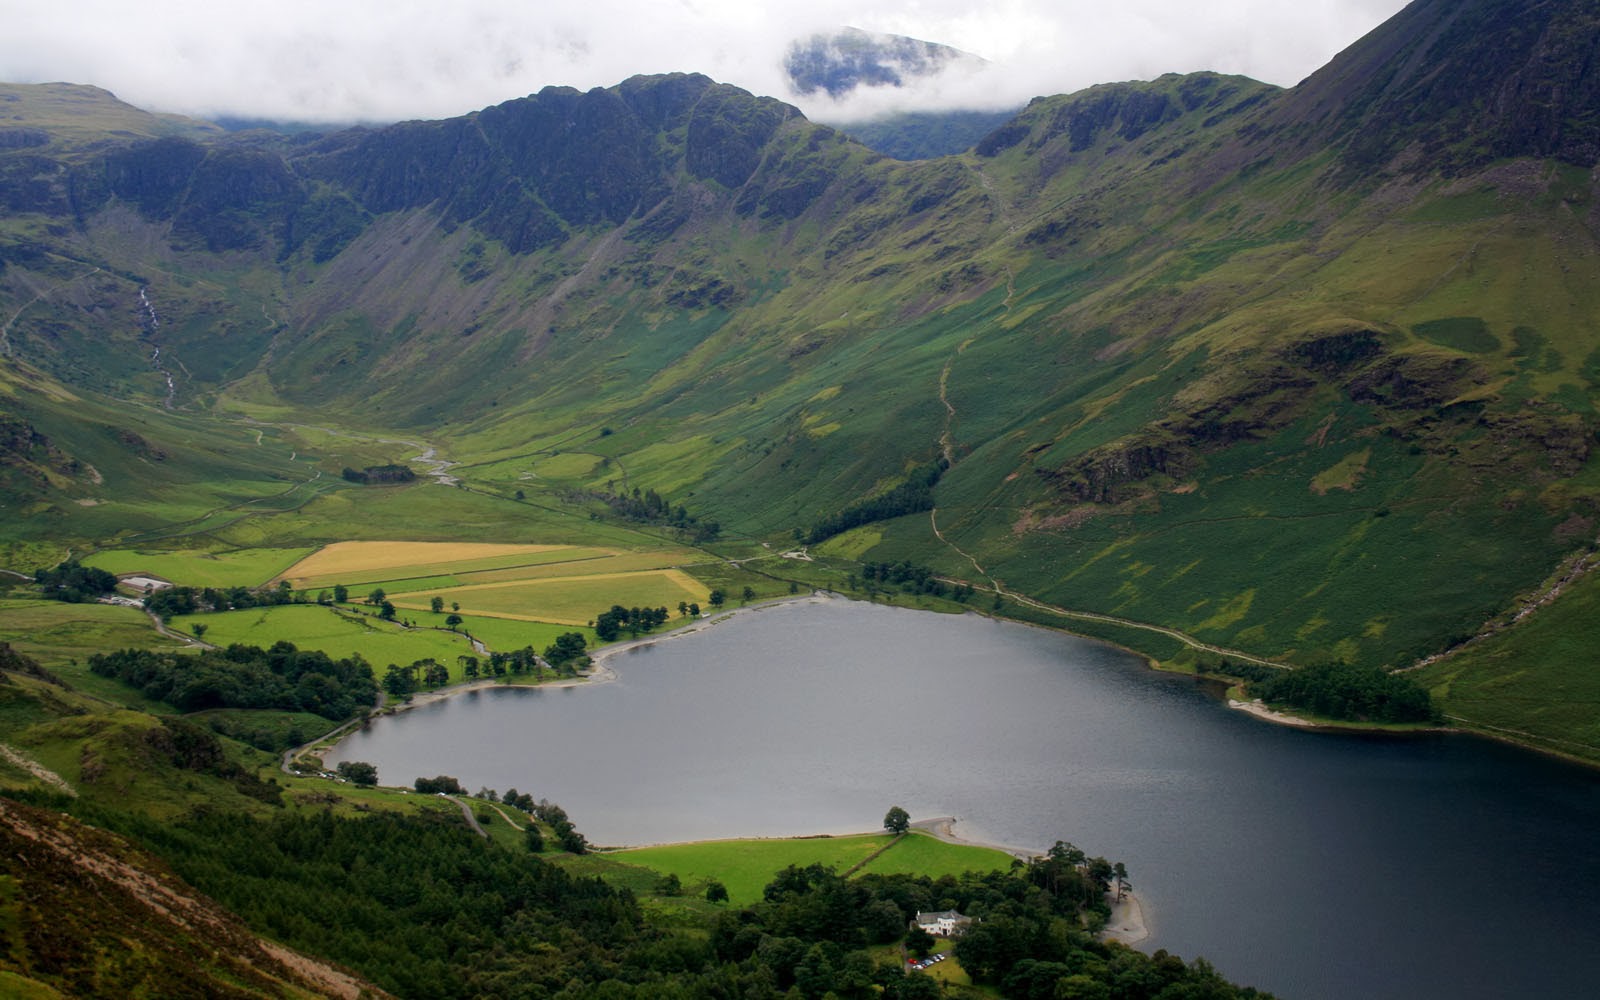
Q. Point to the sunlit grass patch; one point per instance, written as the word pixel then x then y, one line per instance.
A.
pixel 194 568
pixel 334 631
pixel 921 854
pixel 746 866
pixel 503 634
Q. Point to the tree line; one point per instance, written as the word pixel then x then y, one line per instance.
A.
pixel 1340 691
pixel 379 474
pixel 650 507
pixel 609 625
pixel 183 600
pixel 910 578
pixel 910 497
pixel 74 582
pixel 282 677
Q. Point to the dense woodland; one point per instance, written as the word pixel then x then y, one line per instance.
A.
pixel 282 677
pixel 74 583
pixel 1338 691
pixel 910 497
pixel 422 908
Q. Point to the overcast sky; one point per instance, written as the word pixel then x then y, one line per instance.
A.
pixel 385 60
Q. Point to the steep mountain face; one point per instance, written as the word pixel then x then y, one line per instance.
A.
pixel 1310 372
pixel 1449 86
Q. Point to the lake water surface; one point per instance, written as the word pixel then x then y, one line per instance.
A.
pixel 1310 864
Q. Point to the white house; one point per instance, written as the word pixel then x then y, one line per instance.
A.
pixel 944 923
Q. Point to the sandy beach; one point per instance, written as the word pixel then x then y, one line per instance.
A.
pixel 1259 709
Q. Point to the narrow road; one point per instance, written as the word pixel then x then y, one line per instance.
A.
pixel 1187 640
pixel 466 811
pixel 509 821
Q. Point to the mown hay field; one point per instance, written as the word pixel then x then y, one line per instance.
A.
pixel 353 563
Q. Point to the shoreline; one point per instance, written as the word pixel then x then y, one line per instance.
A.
pixel 605 653
pixel 1259 710
pixel 1127 923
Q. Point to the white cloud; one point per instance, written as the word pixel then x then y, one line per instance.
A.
pixel 343 60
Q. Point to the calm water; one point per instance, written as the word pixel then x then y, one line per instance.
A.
pixel 1310 864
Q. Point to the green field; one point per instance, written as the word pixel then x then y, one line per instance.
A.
pixel 193 568
pixel 63 636
pixel 337 632
pixel 569 601
pixel 746 866
pixel 502 634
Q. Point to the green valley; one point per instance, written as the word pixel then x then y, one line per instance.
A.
pixel 1246 379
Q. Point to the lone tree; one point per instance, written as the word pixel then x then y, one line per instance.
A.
pixel 896 820
pixel 437 604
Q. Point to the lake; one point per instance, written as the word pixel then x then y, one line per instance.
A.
pixel 1312 864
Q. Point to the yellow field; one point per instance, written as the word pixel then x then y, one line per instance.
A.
pixel 565 600
pixel 395 560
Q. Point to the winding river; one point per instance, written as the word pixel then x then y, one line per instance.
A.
pixel 1311 864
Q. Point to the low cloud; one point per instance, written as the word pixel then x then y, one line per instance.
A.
pixel 361 60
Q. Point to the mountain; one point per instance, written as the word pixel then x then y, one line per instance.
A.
pixel 850 58
pixel 1307 373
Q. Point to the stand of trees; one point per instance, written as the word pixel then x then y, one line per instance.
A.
pixel 75 583
pixel 567 835
pixel 910 497
pixel 379 475
pixel 566 655
pixel 609 625
pixel 1337 691
pixel 282 677
pixel 911 579
pixel 190 600
pixel 650 507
